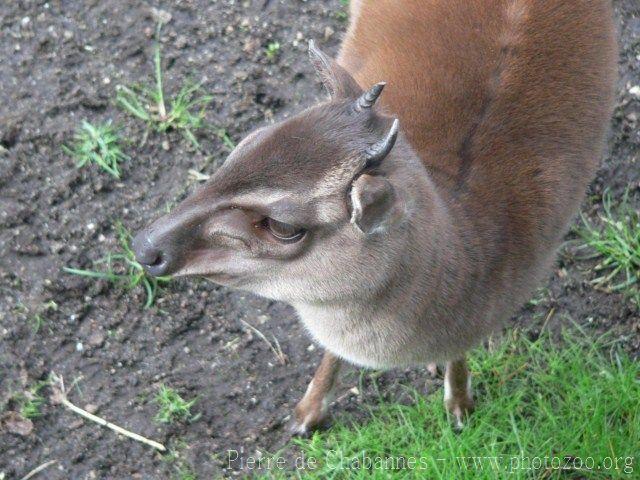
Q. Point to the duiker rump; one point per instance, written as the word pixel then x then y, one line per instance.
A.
pixel 405 226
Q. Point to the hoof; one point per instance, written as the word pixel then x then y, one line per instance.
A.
pixel 307 418
pixel 304 428
pixel 460 409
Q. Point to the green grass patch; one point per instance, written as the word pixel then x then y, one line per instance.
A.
pixel 616 242
pixel 272 49
pixel 343 13
pixel 99 145
pixel 123 270
pixel 544 409
pixel 30 402
pixel 177 459
pixel 185 473
pixel 173 407
pixel 184 113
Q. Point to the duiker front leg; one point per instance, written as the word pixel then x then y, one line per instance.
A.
pixel 458 397
pixel 311 411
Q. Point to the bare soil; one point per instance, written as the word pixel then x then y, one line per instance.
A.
pixel 61 61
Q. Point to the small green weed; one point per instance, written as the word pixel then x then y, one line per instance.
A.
pixel 30 402
pixel 185 112
pixel 617 243
pixel 122 269
pixel 177 459
pixel 173 406
pixel 37 319
pixel 343 13
pixel 98 144
pixel 272 50
pixel 185 473
pixel 225 138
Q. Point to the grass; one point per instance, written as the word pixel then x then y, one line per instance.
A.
pixel 545 409
pixel 343 13
pixel 38 318
pixel 97 144
pixel 123 270
pixel 272 49
pixel 173 407
pixel 184 113
pixel 617 244
pixel 225 139
pixel 30 402
pixel 185 473
pixel 176 457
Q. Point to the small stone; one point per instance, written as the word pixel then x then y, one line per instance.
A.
pixel 328 33
pixel 57 247
pixel 635 91
pixel 24 23
pixel 311 348
pixel 165 145
pixel 76 424
pixel 14 423
pixel 67 34
pixel 79 347
pixel 91 408
pixel 161 16
pixel 250 45
pixel 182 42
pixel 96 339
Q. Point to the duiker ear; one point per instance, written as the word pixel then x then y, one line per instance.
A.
pixel 374 204
pixel 338 82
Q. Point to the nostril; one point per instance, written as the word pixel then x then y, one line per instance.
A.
pixel 155 261
pixel 151 257
pixel 147 254
pixel 155 258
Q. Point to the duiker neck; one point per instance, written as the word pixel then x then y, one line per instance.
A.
pixel 422 257
pixel 392 319
pixel 431 259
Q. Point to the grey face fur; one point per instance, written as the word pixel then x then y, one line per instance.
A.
pixel 297 209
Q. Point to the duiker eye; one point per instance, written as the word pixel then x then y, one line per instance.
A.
pixel 283 231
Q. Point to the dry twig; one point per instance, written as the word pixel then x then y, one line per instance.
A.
pixel 37 470
pixel 60 396
pixel 277 350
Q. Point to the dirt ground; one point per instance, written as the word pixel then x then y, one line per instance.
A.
pixel 61 62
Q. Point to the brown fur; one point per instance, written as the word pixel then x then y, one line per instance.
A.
pixel 503 107
pixel 510 126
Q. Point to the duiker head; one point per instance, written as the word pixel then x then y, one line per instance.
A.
pixel 300 211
